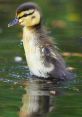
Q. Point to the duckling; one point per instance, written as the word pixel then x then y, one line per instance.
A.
pixel 42 55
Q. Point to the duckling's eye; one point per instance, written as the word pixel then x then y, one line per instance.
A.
pixel 25 15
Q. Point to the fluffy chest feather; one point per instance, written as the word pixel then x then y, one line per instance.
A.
pixel 34 55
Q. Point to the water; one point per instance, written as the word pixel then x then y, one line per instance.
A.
pixel 32 97
pixel 23 96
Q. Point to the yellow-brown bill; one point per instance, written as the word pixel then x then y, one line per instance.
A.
pixel 13 22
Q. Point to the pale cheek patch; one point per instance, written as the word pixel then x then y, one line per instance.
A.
pixel 35 18
pixel 28 21
pixel 20 20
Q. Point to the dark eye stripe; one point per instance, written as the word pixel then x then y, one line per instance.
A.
pixel 26 15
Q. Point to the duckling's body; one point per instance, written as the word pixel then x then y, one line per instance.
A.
pixel 35 55
pixel 42 55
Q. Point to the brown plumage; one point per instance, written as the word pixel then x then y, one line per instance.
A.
pixel 42 55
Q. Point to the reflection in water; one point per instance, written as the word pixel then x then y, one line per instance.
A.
pixel 37 101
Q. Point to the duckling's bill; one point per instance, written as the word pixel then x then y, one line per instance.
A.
pixel 13 22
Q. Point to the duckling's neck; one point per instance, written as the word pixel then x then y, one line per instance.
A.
pixel 33 36
pixel 31 53
pixel 29 40
pixel 28 34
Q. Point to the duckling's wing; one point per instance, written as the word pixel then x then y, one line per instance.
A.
pixel 60 71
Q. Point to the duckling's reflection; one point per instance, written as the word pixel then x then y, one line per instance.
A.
pixel 37 101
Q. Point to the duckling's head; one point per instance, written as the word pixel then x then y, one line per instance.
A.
pixel 27 14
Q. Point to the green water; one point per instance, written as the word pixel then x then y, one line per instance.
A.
pixel 16 92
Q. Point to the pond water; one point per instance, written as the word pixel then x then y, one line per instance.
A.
pixel 23 96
